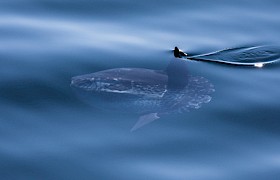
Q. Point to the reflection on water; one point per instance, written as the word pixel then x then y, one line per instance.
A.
pixel 61 32
pixel 46 132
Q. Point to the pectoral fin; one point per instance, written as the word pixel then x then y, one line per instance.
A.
pixel 145 119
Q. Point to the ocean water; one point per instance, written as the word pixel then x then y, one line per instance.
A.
pixel 46 132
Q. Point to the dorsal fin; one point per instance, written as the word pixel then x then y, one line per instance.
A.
pixel 178 53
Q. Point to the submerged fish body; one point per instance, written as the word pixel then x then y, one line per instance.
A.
pixel 150 93
pixel 123 89
pixel 141 91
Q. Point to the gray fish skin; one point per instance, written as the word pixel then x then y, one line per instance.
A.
pixel 123 89
pixel 141 91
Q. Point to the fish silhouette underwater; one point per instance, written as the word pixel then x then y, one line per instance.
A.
pixel 150 93
pixel 241 56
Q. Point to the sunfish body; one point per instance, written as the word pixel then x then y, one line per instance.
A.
pixel 150 93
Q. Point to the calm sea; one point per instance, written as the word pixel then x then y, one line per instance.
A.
pixel 46 132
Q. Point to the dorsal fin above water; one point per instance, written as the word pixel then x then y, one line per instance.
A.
pixel 178 53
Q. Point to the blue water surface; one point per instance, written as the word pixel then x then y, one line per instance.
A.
pixel 46 132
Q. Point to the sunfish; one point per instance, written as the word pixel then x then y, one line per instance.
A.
pixel 147 92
